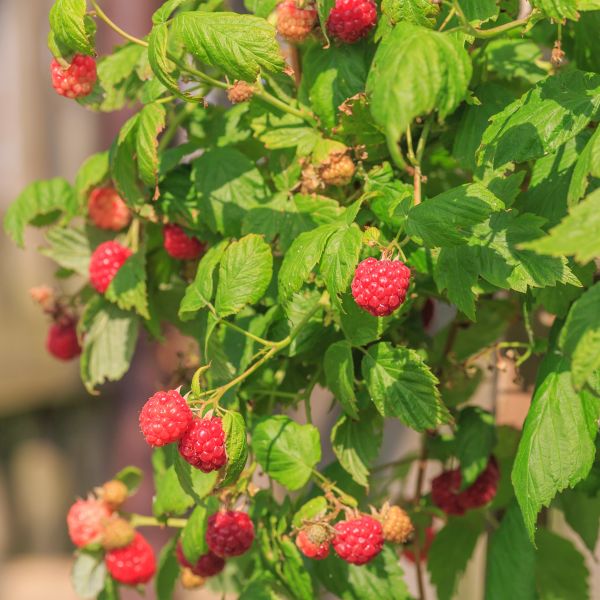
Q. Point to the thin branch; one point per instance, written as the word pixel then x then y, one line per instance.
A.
pixel 102 15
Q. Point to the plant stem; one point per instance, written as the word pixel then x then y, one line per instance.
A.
pixel 483 34
pixel 102 15
pixel 174 125
pixel 417 185
pixel 297 112
pixel 422 465
pixel 249 335
pixel 147 521
pixel 395 152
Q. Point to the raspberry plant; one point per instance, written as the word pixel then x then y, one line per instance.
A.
pixel 450 149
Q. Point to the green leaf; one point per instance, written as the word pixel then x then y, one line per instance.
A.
pixel 359 326
pixel 301 258
pixel 557 446
pixel 42 200
pixel 580 336
pixel 475 437
pixel 71 248
pixel 286 450
pixel 167 571
pixel 151 122
pixel 582 513
pixel 449 218
pixel 437 66
pixel 170 498
pixel 123 164
pixel 88 574
pixel 418 12
pixel 295 574
pixel 250 42
pixel 543 119
pixel 451 551
pixel 356 444
pixel 236 446
pixel 108 344
pixel 456 272
pixel 195 482
pixel 110 591
pixel 261 8
pixel 576 234
pixel 128 287
pixel 558 9
pixel 402 385
pixel 244 275
pixel 91 174
pixel 312 509
pixel 193 535
pixel 131 477
pixel 340 258
pixel 511 560
pixel 588 163
pixel 515 58
pixel 560 570
pixel 163 14
pixel 68 25
pixel 339 372
pixel 480 11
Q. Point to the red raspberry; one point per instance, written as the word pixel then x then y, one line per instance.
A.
pixel 313 541
pixel 62 341
pixel 77 80
pixel 207 565
pixel 85 521
pixel 133 564
pixel 165 417
pixel 179 244
pixel 358 541
pixel 106 260
pixel 203 444
pixel 429 537
pixel 229 533
pixel 380 286
pixel 446 494
pixel 107 209
pixel 295 23
pixel 350 20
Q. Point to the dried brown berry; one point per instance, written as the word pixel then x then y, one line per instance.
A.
pixel 113 493
pixel 338 169
pixel 190 581
pixel 240 91
pixel 117 533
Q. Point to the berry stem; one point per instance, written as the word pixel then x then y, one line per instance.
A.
pixel 395 152
pixel 249 335
pixel 102 15
pixel 147 521
pixel 328 486
pixel 422 466
pixel 483 34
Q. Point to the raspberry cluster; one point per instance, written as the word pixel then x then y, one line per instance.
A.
pixel 77 80
pixel 107 210
pixel 351 20
pixel 358 540
pixel 208 565
pixel 446 493
pixel 105 263
pixel 380 286
pixel 133 564
pixel 180 245
pixel 62 341
pixel 229 533
pixel 294 22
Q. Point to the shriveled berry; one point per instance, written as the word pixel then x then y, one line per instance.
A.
pixel 62 341
pixel 203 444
pixel 85 521
pixel 179 244
pixel 314 541
pixel 113 493
pixel 380 286
pixel 165 418
pixel 117 533
pixel 338 169
pixel 351 20
pixel 229 533
pixel 191 581
pixel 77 80
pixel 106 261
pixel 294 23
pixel 107 210
pixel 410 551
pixel 208 565
pixel 359 540
pixel 447 495
pixel 240 91
pixel 397 526
pixel 133 564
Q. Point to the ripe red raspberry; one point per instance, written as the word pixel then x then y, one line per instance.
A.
pixel 313 541
pixel 429 537
pixel 165 418
pixel 106 260
pixel 229 533
pixel 85 521
pixel 446 494
pixel 294 23
pixel 77 80
pixel 107 209
pixel 207 565
pixel 350 20
pixel 380 286
pixel 133 564
pixel 62 341
pixel 203 444
pixel 397 526
pixel 359 540
pixel 338 169
pixel 179 244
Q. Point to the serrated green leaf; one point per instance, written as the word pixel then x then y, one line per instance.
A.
pixel 516 58
pixel 170 498
pixel 128 287
pixel 295 575
pixel 475 437
pixel 163 14
pixel 437 66
pixel 110 591
pixel 167 571
pixel 558 9
pixel 46 200
pixel 359 326
pixel 582 513
pixel 123 164
pixel 194 482
pixel 310 510
pixel 151 122
pixel 236 446
pixel 244 274
pixel 456 272
pixel 286 450
pixel 91 174
pixel 131 477
pixel 250 42
pixel 479 11
pixel 401 385
pixel 418 12
pixel 68 25
pixel 88 574
pixel 557 447
pixel 588 164
pixel 339 373
pixel 193 535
